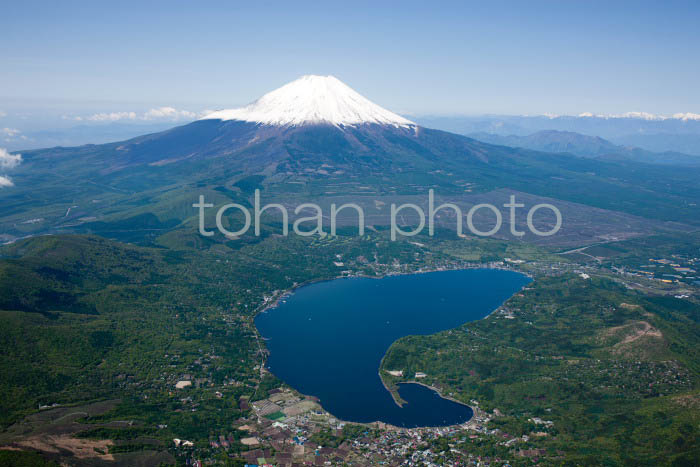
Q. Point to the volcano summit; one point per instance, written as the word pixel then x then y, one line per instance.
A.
pixel 312 99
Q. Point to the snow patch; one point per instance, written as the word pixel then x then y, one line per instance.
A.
pixel 312 99
pixel 687 116
pixel 644 116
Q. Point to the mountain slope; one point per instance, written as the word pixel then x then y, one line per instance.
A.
pixel 586 146
pixel 332 146
pixel 679 134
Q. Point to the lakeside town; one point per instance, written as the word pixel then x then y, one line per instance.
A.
pixel 289 429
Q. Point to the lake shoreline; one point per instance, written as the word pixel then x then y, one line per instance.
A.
pixel 392 386
pixel 266 306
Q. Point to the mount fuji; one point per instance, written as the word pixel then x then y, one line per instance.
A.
pixel 310 139
pixel 313 99
pixel 309 122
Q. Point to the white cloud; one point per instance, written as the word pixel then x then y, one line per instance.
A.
pixel 11 132
pixel 3 114
pixel 112 116
pixel 157 113
pixel 169 113
pixel 9 161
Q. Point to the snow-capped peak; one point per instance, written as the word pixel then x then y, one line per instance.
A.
pixel 312 99
pixel 644 116
pixel 687 116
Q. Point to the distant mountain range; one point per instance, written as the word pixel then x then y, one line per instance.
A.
pixel 653 134
pixel 82 134
pixel 585 146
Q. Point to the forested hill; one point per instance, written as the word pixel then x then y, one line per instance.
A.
pixel 614 370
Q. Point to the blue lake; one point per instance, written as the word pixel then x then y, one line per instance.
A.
pixel 327 339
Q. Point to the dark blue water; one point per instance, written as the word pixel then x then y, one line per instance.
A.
pixel 327 339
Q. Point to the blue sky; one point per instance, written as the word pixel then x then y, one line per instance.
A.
pixel 525 57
